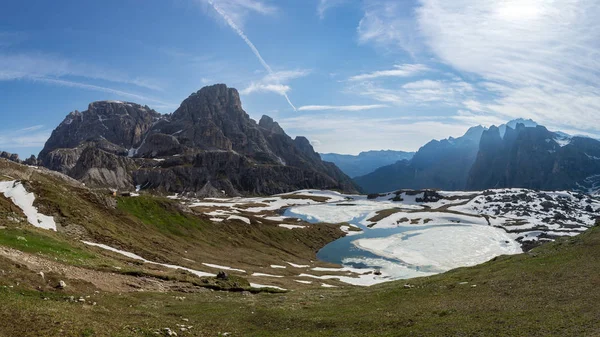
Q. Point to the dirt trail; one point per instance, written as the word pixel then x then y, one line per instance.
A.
pixel 105 281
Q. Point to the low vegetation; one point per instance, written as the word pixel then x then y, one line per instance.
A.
pixel 550 291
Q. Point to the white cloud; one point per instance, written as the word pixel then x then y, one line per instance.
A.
pixel 401 70
pixel 274 82
pixel 537 59
pixel 421 92
pixel 325 5
pixel 279 89
pixel 341 107
pixel 449 92
pixel 19 66
pixel 239 10
pixel 28 137
pixel 285 75
pixel 353 134
pixel 141 99
pixel 228 10
pixel 389 25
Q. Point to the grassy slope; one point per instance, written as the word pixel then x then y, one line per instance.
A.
pixel 552 290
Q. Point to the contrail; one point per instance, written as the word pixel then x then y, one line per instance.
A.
pixel 249 43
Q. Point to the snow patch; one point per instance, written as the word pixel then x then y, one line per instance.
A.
pixel 256 285
pixel 291 226
pixel 237 217
pixel 266 275
pixel 15 191
pixel 216 266
pixel 137 257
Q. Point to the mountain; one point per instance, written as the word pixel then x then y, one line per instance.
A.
pixel 365 162
pixel 440 164
pixel 535 158
pixel 518 154
pixel 528 123
pixel 208 146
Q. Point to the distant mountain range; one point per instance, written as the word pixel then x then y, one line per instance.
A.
pixel 440 164
pixel 520 153
pixel 208 147
pixel 365 162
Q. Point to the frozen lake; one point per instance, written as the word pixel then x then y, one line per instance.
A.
pixel 405 251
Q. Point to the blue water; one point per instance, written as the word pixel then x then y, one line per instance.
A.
pixel 342 248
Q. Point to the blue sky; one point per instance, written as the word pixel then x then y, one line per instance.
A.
pixel 351 75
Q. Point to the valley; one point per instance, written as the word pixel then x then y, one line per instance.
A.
pixel 120 256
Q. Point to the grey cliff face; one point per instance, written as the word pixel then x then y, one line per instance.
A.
pixel 208 146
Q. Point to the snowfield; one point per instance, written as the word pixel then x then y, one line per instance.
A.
pixel 407 234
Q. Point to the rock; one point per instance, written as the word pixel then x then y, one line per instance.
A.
pixel 208 147
pixel 222 275
pixel 169 332
pixel 531 157
pixel 443 164
pixel 61 284
pixel 42 275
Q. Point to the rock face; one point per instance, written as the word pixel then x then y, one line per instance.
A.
pixel 535 158
pixel 519 154
pixel 441 164
pixel 208 146
pixel 365 162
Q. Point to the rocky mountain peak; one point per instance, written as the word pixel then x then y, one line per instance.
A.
pixel 213 101
pixel 121 124
pixel 270 125
pixel 207 146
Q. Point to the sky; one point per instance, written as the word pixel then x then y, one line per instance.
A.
pixel 350 75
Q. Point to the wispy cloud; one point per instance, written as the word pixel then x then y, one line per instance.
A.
pixel 28 137
pixel 27 65
pixel 400 70
pixel 341 107
pixel 275 82
pixel 325 5
pixel 66 83
pixel 537 59
pixel 355 133
pixel 264 87
pixel 238 10
pixel 31 128
pixel 221 7
pixel 389 25
pixel 421 92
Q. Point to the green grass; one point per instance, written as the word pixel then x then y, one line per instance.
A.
pixel 160 213
pixel 550 291
pixel 32 242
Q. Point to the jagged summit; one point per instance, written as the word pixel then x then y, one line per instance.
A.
pixel 267 123
pixel 208 141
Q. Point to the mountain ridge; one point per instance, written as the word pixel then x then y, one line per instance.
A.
pixel 524 156
pixel 207 145
pixel 366 161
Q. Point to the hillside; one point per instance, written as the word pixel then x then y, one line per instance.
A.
pixel 162 284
